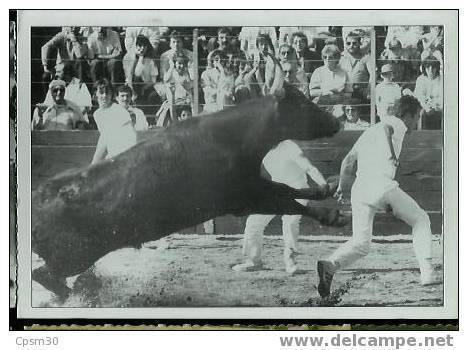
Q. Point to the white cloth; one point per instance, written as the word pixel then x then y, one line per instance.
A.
pixel 281 165
pixel 115 126
pixel 376 172
pixel 405 208
pixel 327 80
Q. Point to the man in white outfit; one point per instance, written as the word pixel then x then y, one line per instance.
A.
pixel 286 164
pixel 374 189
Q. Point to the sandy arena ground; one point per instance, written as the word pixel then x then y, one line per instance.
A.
pixel 195 270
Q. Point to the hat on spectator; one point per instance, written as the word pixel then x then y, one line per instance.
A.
pixel 386 68
pixel 57 83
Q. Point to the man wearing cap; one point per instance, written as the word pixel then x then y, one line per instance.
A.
pixel 62 114
pixel 387 92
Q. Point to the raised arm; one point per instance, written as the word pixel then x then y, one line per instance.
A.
pixel 347 169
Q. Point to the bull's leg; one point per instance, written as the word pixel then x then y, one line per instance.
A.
pixel 279 199
pixel 314 192
pixel 52 281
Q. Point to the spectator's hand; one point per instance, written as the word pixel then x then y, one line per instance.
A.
pixel 41 107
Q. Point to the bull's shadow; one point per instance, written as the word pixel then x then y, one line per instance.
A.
pixel 186 174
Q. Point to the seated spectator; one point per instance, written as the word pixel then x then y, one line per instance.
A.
pixel 307 60
pixel 357 66
pixel 404 69
pixel 141 76
pixel 387 93
pixel 75 90
pixel 248 39
pixel 328 84
pixel 67 46
pixel 179 85
pixel 114 123
pixel 433 43
pixel 429 92
pixel 177 47
pixel 124 98
pixel 105 53
pixel 62 114
pixel 353 120
pixel 296 76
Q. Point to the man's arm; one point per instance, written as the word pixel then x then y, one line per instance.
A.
pixel 347 169
pixel 101 150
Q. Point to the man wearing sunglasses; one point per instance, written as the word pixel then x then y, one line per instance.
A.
pixel 62 114
pixel 356 65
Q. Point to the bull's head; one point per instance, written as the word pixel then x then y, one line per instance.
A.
pixel 301 119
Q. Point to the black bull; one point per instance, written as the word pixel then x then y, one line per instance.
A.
pixel 191 172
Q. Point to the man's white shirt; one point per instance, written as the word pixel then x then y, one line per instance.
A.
pixel 281 165
pixel 375 171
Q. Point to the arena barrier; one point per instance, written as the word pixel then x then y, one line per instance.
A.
pixel 420 174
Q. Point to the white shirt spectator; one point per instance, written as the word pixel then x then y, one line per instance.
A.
pixel 327 80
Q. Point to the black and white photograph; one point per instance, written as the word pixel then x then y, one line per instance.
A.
pixel 173 164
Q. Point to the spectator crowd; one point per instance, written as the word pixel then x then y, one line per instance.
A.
pixel 152 76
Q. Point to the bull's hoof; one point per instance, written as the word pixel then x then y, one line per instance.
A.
pixel 333 217
pixel 45 276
